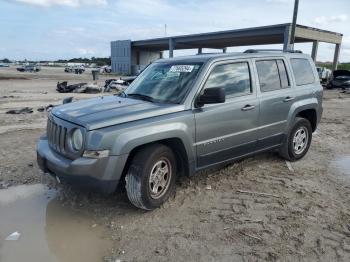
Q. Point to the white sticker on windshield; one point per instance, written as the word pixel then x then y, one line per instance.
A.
pixel 181 68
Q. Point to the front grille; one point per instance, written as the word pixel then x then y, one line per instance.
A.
pixel 57 136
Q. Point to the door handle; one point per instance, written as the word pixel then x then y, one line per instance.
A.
pixel 288 98
pixel 247 107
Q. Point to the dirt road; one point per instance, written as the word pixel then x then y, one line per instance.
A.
pixel 253 210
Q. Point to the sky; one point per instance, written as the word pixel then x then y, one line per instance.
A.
pixel 63 29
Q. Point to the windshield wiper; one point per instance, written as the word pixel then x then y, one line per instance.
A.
pixel 141 96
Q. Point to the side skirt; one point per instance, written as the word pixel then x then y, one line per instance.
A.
pixel 231 160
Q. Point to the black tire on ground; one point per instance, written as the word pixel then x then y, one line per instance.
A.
pixel 289 149
pixel 149 164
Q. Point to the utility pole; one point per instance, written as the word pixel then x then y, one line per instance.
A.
pixel 294 24
pixel 165 30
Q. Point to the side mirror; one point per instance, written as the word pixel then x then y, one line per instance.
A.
pixel 213 95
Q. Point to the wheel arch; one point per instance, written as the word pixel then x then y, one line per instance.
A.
pixel 309 114
pixel 175 144
pixel 306 109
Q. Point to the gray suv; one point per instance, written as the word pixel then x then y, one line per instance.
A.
pixel 183 115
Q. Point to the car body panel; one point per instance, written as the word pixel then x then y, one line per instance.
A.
pixel 107 111
pixel 211 135
pixel 237 134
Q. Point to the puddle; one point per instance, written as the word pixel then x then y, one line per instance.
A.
pixel 342 164
pixel 49 231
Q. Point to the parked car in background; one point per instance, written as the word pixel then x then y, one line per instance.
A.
pixel 183 115
pixel 4 65
pixel 105 69
pixel 75 69
pixel 79 69
pixel 340 79
pixel 324 74
pixel 29 68
pixel 68 69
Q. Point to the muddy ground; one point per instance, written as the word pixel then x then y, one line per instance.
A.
pixel 257 209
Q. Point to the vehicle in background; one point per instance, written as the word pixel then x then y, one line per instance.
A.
pixel 4 65
pixel 68 69
pixel 340 79
pixel 118 84
pixel 29 68
pixel 324 74
pixel 105 69
pixel 183 115
pixel 79 69
pixel 75 69
pixel 128 79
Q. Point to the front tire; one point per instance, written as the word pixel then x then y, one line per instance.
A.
pixel 151 177
pixel 298 140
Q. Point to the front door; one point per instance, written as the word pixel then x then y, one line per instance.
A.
pixel 228 130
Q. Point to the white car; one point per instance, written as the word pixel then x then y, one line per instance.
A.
pixel 105 69
pixel 324 73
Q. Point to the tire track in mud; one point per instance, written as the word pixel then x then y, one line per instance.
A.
pixel 277 226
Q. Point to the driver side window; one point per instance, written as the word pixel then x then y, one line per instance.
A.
pixel 234 78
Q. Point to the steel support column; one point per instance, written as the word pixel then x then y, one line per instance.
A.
pixel 314 50
pixel 286 39
pixel 224 50
pixel 171 47
pixel 294 24
pixel 200 50
pixel 336 57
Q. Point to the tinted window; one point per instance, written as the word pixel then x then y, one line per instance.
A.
pixel 268 75
pixel 302 71
pixel 283 74
pixel 234 78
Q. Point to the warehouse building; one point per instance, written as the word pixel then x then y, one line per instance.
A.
pixel 129 57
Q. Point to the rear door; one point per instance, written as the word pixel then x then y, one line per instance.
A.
pixel 228 130
pixel 276 97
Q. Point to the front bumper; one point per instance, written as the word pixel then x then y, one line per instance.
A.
pixel 102 174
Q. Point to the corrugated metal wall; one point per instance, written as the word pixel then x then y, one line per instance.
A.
pixel 121 56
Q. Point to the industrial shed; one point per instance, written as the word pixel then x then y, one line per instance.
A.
pixel 128 57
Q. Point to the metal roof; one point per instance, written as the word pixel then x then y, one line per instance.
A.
pixel 273 34
pixel 234 55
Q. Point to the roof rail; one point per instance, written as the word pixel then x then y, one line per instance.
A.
pixel 271 50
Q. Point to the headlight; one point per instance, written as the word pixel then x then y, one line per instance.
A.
pixel 77 140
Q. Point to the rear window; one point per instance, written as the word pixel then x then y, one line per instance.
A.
pixel 302 70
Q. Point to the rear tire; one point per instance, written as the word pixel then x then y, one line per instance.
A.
pixel 151 177
pixel 298 141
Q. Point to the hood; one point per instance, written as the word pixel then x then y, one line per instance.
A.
pixel 337 73
pixel 342 78
pixel 106 111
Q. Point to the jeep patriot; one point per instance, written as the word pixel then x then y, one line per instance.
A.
pixel 183 115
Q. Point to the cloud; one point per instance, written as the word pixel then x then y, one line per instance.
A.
pixel 325 20
pixel 86 51
pixel 345 47
pixel 68 3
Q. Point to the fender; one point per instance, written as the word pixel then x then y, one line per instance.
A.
pixel 310 103
pixel 127 141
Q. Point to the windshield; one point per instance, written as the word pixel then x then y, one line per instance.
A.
pixel 164 82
